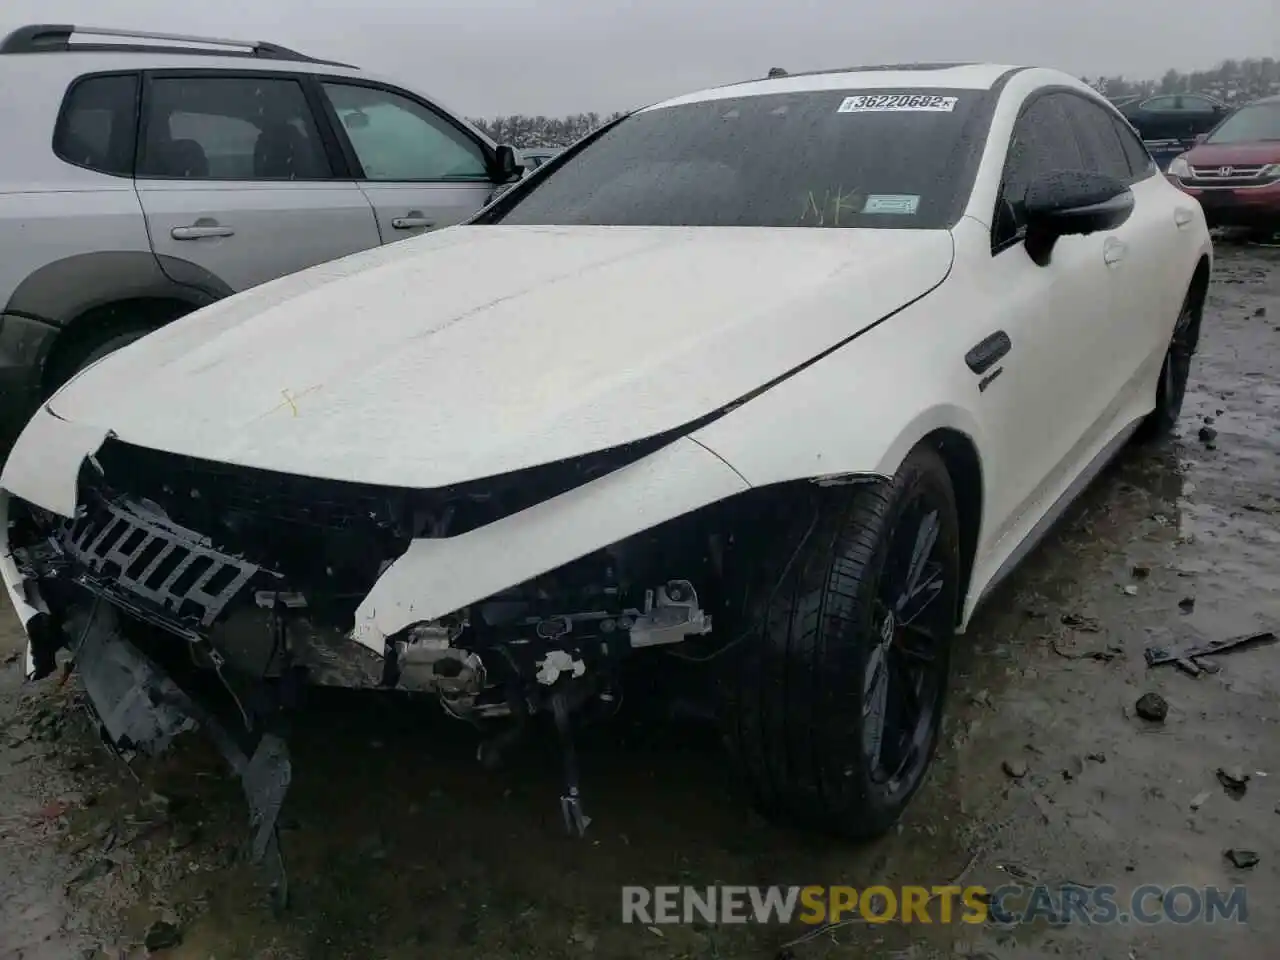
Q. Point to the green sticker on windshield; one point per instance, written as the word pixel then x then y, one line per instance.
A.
pixel 900 203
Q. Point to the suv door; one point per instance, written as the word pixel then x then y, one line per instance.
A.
pixel 1039 415
pixel 419 168
pixel 234 177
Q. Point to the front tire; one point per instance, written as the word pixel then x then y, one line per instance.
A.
pixel 833 706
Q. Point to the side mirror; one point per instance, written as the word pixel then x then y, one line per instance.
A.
pixel 498 191
pixel 1072 203
pixel 1201 137
pixel 507 166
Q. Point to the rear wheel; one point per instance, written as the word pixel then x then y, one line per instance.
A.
pixel 833 706
pixel 1175 371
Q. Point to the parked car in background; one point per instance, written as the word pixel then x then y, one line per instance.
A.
pixel 146 175
pixel 1125 99
pixel 772 381
pixel 1174 116
pixel 1163 152
pixel 534 157
pixel 1235 171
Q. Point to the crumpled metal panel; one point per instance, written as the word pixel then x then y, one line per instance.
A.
pixel 140 707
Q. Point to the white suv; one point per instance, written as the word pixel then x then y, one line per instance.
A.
pixel 146 175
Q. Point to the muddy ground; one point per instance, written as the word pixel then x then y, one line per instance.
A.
pixel 400 845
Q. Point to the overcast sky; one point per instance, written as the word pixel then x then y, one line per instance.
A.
pixel 486 57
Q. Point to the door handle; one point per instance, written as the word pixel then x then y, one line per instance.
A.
pixel 412 221
pixel 1113 251
pixel 1183 217
pixel 987 352
pixel 203 229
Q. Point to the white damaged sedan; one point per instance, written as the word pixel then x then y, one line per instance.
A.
pixel 767 385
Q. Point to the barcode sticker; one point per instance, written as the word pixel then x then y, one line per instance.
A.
pixel 897 103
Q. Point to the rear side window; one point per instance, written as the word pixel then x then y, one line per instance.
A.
pixel 98 124
pixel 1140 163
pixel 230 128
pixel 1099 142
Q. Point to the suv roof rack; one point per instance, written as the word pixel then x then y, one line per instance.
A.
pixel 53 37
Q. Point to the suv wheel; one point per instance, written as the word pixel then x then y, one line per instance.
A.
pixel 91 351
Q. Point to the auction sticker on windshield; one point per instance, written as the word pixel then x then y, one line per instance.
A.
pixel 896 103
pixel 891 203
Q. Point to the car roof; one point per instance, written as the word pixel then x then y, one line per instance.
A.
pixel 909 76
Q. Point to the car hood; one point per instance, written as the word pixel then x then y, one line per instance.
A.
pixel 479 350
pixel 1237 154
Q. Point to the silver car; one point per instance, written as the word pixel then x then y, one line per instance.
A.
pixel 147 175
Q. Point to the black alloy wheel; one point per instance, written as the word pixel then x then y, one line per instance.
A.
pixel 832 702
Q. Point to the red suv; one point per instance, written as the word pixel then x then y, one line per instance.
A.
pixel 1235 170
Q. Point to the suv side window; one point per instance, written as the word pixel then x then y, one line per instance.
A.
pixel 1140 163
pixel 230 128
pixel 98 124
pixel 396 138
pixel 1099 143
pixel 1042 143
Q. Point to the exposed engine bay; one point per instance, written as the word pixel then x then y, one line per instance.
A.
pixel 258 575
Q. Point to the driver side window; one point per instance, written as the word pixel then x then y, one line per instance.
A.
pixel 1042 143
pixel 398 139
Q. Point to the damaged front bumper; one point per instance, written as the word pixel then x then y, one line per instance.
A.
pixel 141 709
pixel 502 601
pixel 418 581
